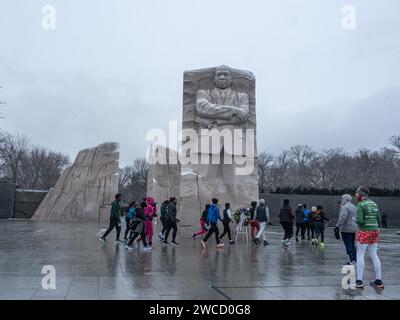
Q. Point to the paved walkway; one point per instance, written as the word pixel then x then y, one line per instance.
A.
pixel 86 269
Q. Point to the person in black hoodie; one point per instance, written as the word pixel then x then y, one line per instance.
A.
pixel 226 220
pixel 318 218
pixel 286 217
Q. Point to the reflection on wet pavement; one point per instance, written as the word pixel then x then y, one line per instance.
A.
pixel 86 269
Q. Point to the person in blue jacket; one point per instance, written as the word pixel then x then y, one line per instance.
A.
pixel 307 220
pixel 129 217
pixel 213 217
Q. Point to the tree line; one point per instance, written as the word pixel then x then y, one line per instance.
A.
pixel 299 169
pixel 29 166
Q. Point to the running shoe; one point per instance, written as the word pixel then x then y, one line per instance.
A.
pixel 255 240
pixel 194 236
pixel 316 242
pixel 266 243
pixel 377 284
pixel 174 243
pixel 297 239
pixel 203 244
pixel 220 245
pixel 359 284
pixel 128 248
pixel 346 264
pixel 147 249
pixel 231 242
pixel 119 241
pixel 103 241
pixel 312 241
pixel 166 242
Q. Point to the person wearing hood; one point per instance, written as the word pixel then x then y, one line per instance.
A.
pixel 150 213
pixel 348 227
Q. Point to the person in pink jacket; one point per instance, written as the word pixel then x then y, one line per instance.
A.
pixel 150 213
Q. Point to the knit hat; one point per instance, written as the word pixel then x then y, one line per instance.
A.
pixel 314 209
pixel 363 191
pixel 262 201
pixel 286 201
pixel 300 205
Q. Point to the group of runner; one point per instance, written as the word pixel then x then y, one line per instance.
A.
pixel 358 226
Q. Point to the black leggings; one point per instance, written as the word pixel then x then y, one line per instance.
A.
pixel 171 225
pixel 227 230
pixel 142 236
pixel 164 225
pixel 319 230
pixel 312 228
pixel 288 229
pixel 213 229
pixel 302 228
pixel 114 223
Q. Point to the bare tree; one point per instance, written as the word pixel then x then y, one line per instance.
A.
pixel 40 168
pixel 133 179
pixel 395 141
pixel 302 156
pixel 280 170
pixel 328 167
pixel 12 151
pixel 264 164
pixel 1 102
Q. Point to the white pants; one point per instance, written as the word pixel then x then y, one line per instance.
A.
pixel 372 250
pixel 261 232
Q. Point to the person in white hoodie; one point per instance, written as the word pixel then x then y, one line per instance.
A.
pixel 348 227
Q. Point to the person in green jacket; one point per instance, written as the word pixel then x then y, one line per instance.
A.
pixel 115 221
pixel 368 221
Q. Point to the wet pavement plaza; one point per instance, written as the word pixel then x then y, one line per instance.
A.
pixel 86 269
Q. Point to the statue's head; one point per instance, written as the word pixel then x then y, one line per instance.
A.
pixel 223 77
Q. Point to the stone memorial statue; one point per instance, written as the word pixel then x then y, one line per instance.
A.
pixel 219 106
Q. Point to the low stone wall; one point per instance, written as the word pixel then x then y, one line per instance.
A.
pixel 7 194
pixel 26 202
pixel 391 205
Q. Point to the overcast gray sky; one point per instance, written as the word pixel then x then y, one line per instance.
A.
pixel 112 70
